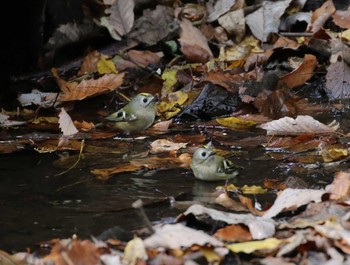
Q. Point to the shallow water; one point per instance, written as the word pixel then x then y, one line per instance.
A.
pixel 38 205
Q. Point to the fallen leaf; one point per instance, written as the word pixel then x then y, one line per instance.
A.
pixel 252 246
pixel 338 80
pixel 301 74
pixel 235 123
pixel 134 252
pixel 320 16
pixel 121 16
pixel 291 199
pixel 164 145
pixel 66 124
pixel 233 233
pixel 300 125
pixel 194 45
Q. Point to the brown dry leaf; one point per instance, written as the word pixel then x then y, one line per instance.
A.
pixel 333 154
pixel 342 18
pixel 233 233
pixel 224 200
pixel 224 79
pixel 84 125
pixel 338 80
pixel 121 16
pixel 68 252
pixel 320 16
pixel 194 45
pixel 89 64
pixel 191 139
pixel 144 58
pixel 274 184
pixel 290 199
pixel 87 88
pixel 286 43
pixel 301 74
pixel 161 126
pixel 340 187
pixel 302 124
pixel 66 124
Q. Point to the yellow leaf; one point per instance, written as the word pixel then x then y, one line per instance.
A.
pixel 235 123
pixel 346 34
pixel 210 255
pixel 105 66
pixel 333 154
pixel 253 189
pixel 168 107
pixel 134 251
pixel 251 246
pixel 230 187
pixel 170 80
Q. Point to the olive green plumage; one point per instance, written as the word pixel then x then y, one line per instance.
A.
pixel 137 115
pixel 208 166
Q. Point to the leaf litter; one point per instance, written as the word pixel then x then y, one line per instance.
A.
pixel 215 86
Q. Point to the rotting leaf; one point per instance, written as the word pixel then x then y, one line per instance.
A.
pixel 164 145
pixel 252 246
pixel 235 123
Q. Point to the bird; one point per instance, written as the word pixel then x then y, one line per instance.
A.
pixel 208 166
pixel 138 115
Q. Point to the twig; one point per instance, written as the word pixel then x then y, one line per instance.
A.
pixel 138 205
pixel 79 157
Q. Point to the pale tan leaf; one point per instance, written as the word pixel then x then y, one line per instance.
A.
pixel 302 124
pixel 66 124
pixel 266 19
pixel 122 16
pixel 164 145
pixel 291 199
pixel 176 236
pixel 134 251
pixel 89 64
pixel 193 43
pixel 259 227
pixel 338 80
pixel 234 23
pixel 220 8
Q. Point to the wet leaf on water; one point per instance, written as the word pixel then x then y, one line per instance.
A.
pixel 164 145
pixel 171 105
pixel 6 122
pixel 235 123
pixel 144 58
pixel 36 97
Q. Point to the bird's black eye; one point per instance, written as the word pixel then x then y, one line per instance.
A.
pixel 120 114
pixel 204 154
pixel 145 100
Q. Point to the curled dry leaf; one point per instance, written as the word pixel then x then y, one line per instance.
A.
pixel 302 73
pixel 302 124
pixel 87 88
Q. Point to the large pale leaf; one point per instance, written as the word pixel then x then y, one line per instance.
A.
pixel 302 124
pixel 220 8
pixel 122 16
pixel 338 80
pixel 266 19
pixel 66 124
